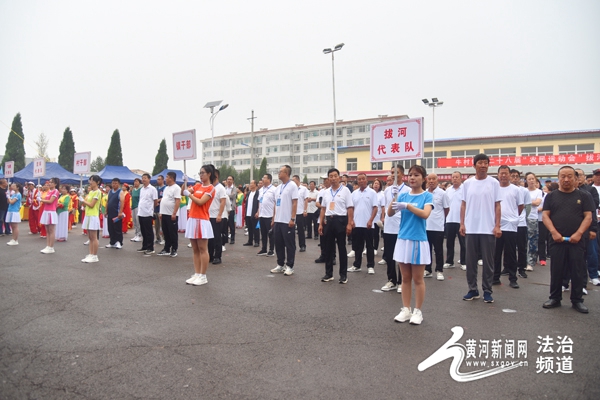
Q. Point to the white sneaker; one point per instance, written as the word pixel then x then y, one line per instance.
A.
pixel 189 245
pixel 529 268
pixel 596 282
pixel 399 290
pixel 137 239
pixel 48 250
pixel 44 249
pixel 108 246
pixel 584 291
pixel 404 315
pixel 93 259
pixel 223 248
pixel 192 279
pixel 118 245
pixel 246 233
pixel 382 249
pixel 200 280
pixel 133 239
pixel 446 266
pixel 278 269
pixel 162 242
pixel 417 317
pixel 351 254
pixel 364 252
pixel 480 263
pixel 353 269
pixel 12 243
pixel 374 252
pixel 86 258
pixel 565 288
pixel 463 267
pixel 388 287
pixel 86 243
pixel 371 271
pixel 288 271
pixel 382 262
pixel 427 274
pixel 440 276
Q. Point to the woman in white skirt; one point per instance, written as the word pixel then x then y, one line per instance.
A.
pixel 198 228
pixel 13 215
pixel 49 217
pixel 183 209
pixel 412 249
pixel 63 210
pixel 91 222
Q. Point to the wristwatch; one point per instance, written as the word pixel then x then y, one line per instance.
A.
pixel 293 219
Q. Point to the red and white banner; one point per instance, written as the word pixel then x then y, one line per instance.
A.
pixel 184 145
pixel 39 167
pixel 523 160
pixel 81 163
pixel 9 169
pixel 397 140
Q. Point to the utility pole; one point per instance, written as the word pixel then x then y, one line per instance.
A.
pixel 252 146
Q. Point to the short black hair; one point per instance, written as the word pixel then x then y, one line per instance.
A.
pixel 269 176
pixel 515 171
pixel 480 157
pixel 138 179
pixel 333 170
pixel 147 175
pixel 504 167
pixel 116 180
pixel 172 175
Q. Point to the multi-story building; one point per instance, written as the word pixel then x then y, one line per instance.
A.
pixel 307 149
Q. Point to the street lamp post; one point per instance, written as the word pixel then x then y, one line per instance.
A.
pixel 327 51
pixel 212 105
pixel 434 103
pixel 252 146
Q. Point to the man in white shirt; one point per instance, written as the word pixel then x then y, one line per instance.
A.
pixel 312 221
pixel 532 219
pixel 515 179
pixel 512 204
pixel 326 186
pixel 148 200
pixel 301 213
pixel 365 210
pixel 232 193
pixel 480 222
pixel 169 208
pixel 284 222
pixel 266 208
pixel 215 212
pixel 252 216
pixel 435 227
pixel 454 200
pixel 335 223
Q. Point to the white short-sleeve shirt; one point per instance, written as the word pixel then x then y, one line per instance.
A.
pixel 436 219
pixel 511 198
pixel 526 201
pixel 213 210
pixel 266 201
pixel 170 195
pixel 454 200
pixel 284 195
pixel 534 195
pixel 302 195
pixel 312 205
pixel 364 201
pixel 337 202
pixel 480 196
pixel 392 224
pixel 146 205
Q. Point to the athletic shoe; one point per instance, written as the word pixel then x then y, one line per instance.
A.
pixel 327 278
pixel 86 258
pixel 223 248
pixel 487 297
pixel 216 261
pixel 388 287
pixel 448 265
pixel 399 290
pixel 374 252
pixel 354 269
pixel 288 271
pixel 12 243
pixel 565 288
pixel 529 268
pixel 427 274
pixel 149 252
pixel 141 250
pixel 371 271
pixel 417 317
pixel 108 246
pixel 86 242
pixel 364 252
pixel 192 279
pixel 118 246
pixel 584 291
pixel 93 259
pixel 463 267
pixel 473 294
pixel 173 253
pixel 189 245
pixel 302 249
pixel 137 239
pixel 270 254
pixel 163 253
pixel 133 239
pixel 514 285
pixel 320 260
pixel 440 276
pixel 261 253
pixel 543 263
pixel 480 263
pixel 351 254
pixel 382 262
pixel 522 274
pixel 200 280
pixel 405 315
pixel 162 242
pixel 343 279
pixel 48 250
pixel 382 249
pixel 596 282
pixel 278 269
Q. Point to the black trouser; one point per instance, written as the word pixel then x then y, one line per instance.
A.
pixel 376 231
pixel 480 247
pixel 169 228
pixel 334 231
pixel 436 241
pixel 115 230
pixel 266 233
pixel 506 243
pixel 360 236
pixel 567 258
pixel 147 233
pixel 285 244
pixel 215 245
pixel 253 232
pixel 521 248
pixel 452 229
pixel 231 224
pixel 224 227
pixel 542 240
pixel 389 244
pixel 313 220
pixel 301 224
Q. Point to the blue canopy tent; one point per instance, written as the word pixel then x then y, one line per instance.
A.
pixel 123 173
pixel 178 179
pixel 53 170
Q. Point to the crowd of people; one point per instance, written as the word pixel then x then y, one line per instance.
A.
pixel 506 226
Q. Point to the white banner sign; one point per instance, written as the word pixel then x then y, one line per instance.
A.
pixel 81 163
pixel 39 167
pixel 184 145
pixel 397 140
pixel 9 169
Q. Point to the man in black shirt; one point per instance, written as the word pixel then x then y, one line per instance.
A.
pixel 4 228
pixel 567 215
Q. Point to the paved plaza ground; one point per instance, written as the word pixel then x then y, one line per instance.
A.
pixel 129 327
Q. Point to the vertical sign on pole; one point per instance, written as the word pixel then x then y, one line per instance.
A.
pixel 39 167
pixel 184 147
pixel 82 165
pixel 9 169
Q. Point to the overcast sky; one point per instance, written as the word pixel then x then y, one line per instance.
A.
pixel 148 67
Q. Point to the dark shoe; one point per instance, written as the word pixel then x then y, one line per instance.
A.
pixel 216 261
pixel 232 241
pixel 261 253
pixel 256 244
pixel 302 249
pixel 504 272
pixel 343 279
pixel 247 244
pixel 309 237
pixel 496 282
pixel 327 278
pixel 522 274
pixel 270 254
pixel 580 307
pixel 316 237
pixel 514 285
pixel 551 304
pixel 142 250
pixel 320 260
pixel 473 294
pixel 163 252
pixel 173 253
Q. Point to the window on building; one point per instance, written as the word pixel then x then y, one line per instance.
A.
pixel 326 132
pixel 576 149
pixel 427 162
pixel 326 144
pixel 285 147
pixel 376 166
pixel 349 130
pixel 537 151
pixel 325 157
pixel 464 153
pixel 351 164
pixel 340 143
pixel 503 152
pixel 296 159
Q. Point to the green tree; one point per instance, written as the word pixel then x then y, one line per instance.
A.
pixel 263 168
pixel 225 171
pixel 243 177
pixel 97 165
pixel 162 158
pixel 15 145
pixel 305 180
pixel 66 151
pixel 114 155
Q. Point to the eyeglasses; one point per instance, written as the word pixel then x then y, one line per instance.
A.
pixel 202 172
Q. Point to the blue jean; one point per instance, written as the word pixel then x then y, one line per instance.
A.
pixel 592 258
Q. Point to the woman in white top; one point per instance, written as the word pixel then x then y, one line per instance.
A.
pixel 532 219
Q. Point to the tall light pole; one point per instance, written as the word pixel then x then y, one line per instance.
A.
pixel 434 103
pixel 212 105
pixel 252 118
pixel 327 51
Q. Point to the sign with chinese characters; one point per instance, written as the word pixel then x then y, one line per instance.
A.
pixel 39 167
pixel 397 140
pixel 523 160
pixel 184 145
pixel 9 169
pixel 81 163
